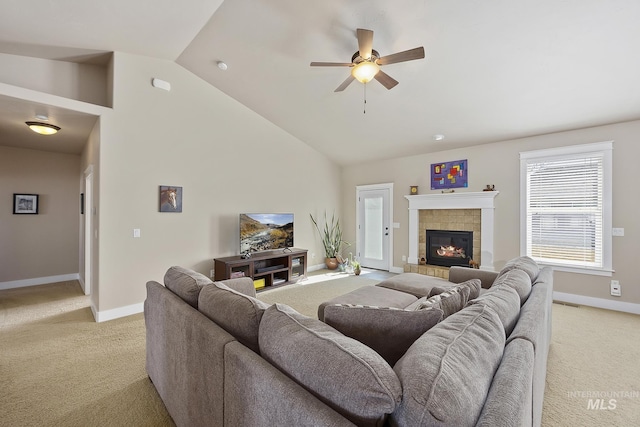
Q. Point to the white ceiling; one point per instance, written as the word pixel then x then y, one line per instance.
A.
pixel 494 69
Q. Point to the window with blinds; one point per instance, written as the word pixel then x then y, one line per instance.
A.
pixel 567 206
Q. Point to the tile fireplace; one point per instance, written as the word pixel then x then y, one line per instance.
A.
pixel 483 200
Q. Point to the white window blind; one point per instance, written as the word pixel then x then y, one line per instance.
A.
pixel 566 208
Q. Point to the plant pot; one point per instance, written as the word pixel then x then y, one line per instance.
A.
pixel 332 263
pixel 356 271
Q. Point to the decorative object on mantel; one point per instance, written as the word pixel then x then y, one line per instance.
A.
pixel 25 204
pixel 331 240
pixel 413 190
pixel 490 187
pixel 473 264
pixel 447 175
pixel 422 261
pixel 170 199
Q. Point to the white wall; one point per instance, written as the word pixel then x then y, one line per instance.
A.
pixel 499 164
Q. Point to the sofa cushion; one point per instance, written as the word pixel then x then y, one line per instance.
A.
pixel 236 313
pixel 524 263
pixel 413 283
pixel 510 396
pixel 389 331
pixel 450 301
pixel 505 301
pixel 474 286
pixel 446 374
pixel 344 373
pixel 185 283
pixel 518 280
pixel 371 295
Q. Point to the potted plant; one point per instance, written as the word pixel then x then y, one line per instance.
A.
pixel 356 267
pixel 331 235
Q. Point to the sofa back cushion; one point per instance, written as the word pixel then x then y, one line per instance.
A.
pixel 505 301
pixel 236 313
pixel 474 286
pixel 389 331
pixel 186 283
pixel 518 280
pixel 342 372
pixel 446 374
pixel 524 263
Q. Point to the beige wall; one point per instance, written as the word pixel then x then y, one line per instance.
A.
pixel 79 81
pixel 499 164
pixel 43 245
pixel 227 159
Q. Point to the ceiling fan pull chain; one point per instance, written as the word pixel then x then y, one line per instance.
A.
pixel 365 100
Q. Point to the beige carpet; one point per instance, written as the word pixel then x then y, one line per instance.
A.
pixel 59 368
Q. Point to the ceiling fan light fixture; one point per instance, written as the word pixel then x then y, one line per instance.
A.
pixel 43 128
pixel 365 71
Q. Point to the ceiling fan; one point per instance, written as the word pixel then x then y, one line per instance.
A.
pixel 366 62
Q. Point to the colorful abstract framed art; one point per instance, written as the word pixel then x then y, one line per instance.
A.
pixel 447 175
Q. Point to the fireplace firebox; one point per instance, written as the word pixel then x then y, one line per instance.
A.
pixel 448 248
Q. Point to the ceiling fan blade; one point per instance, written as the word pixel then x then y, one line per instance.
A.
pixel 407 55
pixel 365 42
pixel 331 64
pixel 386 80
pixel 345 83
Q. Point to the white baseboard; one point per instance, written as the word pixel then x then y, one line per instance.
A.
pixel 607 304
pixel 116 313
pixel 397 270
pixel 316 267
pixel 38 281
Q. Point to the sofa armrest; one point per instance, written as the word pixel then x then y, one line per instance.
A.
pixel 459 274
pixel 244 285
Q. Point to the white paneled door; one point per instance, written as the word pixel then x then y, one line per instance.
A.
pixel 373 228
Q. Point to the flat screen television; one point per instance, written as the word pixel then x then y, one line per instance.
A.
pixel 265 232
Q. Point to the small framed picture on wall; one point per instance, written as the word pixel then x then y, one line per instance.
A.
pixel 25 204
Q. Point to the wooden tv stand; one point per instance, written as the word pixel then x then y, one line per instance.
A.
pixel 278 267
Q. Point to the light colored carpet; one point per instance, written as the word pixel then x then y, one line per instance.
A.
pixel 59 368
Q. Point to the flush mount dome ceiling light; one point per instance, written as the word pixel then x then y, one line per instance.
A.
pixel 43 128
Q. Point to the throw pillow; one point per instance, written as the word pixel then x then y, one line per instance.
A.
pixel 344 373
pixel 236 313
pixel 389 331
pixel 450 301
pixel 474 286
pixel 186 284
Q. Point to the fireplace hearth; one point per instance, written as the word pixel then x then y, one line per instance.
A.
pixel 448 248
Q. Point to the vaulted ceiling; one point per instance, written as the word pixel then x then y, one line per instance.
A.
pixel 494 70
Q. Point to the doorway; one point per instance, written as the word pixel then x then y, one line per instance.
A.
pixel 88 227
pixel 374 235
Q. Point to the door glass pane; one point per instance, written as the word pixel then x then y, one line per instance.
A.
pixel 373 227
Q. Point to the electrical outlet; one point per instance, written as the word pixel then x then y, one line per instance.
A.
pixel 404 258
pixel 615 288
pixel 617 232
pixel 211 273
pixel 136 232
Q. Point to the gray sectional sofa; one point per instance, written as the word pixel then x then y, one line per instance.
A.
pixel 411 351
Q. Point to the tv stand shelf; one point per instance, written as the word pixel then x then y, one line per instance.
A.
pixel 277 268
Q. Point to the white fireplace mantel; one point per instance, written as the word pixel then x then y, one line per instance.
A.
pixel 483 200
